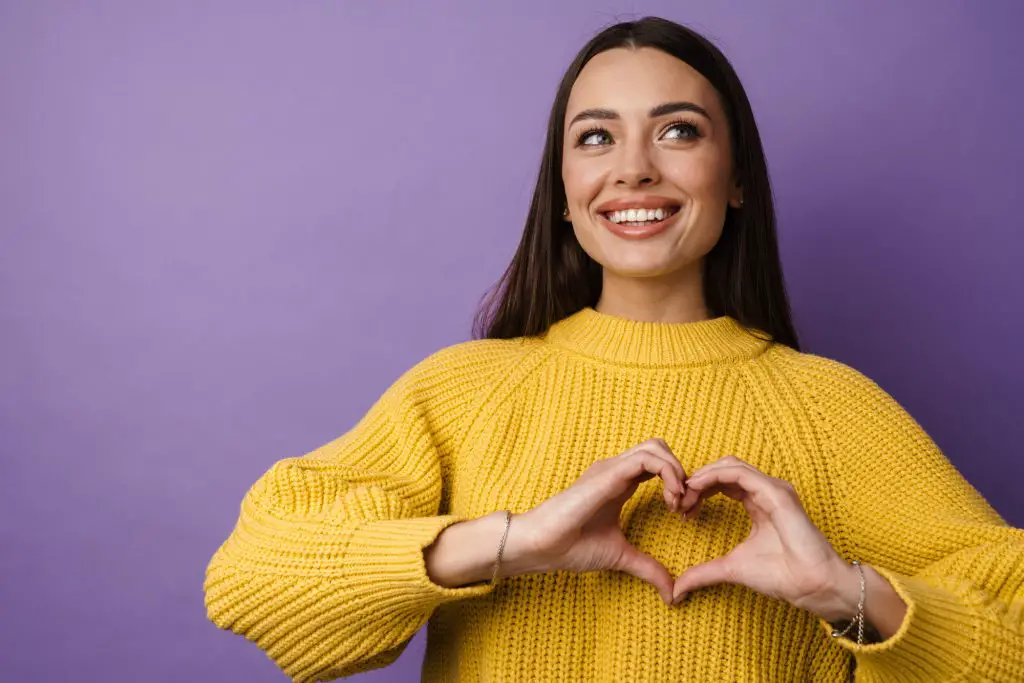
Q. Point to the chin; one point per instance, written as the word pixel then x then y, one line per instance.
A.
pixel 638 267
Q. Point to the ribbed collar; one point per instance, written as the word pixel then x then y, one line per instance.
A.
pixel 632 342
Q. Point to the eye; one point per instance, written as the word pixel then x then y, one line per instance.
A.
pixel 682 130
pixel 592 137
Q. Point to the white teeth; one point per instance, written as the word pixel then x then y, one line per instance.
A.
pixel 638 215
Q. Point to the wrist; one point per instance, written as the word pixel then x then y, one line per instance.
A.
pixel 464 553
pixel 838 603
pixel 521 555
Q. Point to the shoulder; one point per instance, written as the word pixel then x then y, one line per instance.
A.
pixel 826 379
pixel 466 368
pixel 848 404
pixel 476 357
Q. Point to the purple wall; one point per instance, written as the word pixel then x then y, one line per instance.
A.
pixel 226 227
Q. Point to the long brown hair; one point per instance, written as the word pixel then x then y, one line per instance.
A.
pixel 551 276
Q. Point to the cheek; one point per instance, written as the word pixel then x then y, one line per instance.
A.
pixel 701 176
pixel 583 179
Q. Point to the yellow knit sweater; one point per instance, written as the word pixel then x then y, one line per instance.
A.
pixel 324 569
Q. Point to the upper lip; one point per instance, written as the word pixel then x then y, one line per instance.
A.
pixel 648 201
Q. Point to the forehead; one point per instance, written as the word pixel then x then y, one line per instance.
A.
pixel 630 81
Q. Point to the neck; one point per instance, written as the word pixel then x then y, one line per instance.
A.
pixel 674 298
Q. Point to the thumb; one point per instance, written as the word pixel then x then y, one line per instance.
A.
pixel 718 570
pixel 645 567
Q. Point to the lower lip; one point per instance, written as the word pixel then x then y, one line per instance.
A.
pixel 638 232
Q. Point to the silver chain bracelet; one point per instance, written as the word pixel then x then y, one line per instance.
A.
pixel 859 617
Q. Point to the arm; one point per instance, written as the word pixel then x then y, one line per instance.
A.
pixel 884 612
pixel 942 549
pixel 464 553
pixel 324 569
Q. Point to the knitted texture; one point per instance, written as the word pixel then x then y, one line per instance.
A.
pixel 324 569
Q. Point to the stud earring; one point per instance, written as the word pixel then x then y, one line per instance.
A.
pixel 565 212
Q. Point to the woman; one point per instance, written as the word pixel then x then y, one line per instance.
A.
pixel 547 495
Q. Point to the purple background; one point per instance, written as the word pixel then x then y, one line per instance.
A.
pixel 227 227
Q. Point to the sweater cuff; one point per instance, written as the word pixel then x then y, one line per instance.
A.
pixel 936 641
pixel 388 555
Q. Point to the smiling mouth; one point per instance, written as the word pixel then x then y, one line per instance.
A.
pixel 640 218
pixel 638 224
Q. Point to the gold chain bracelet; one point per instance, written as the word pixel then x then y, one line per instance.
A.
pixel 501 547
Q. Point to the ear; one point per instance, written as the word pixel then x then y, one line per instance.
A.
pixel 736 196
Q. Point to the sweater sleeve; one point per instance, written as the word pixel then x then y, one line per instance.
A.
pixel 912 516
pixel 324 568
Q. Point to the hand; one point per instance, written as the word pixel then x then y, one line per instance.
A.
pixel 785 556
pixel 578 529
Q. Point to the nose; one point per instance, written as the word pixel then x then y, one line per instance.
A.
pixel 636 167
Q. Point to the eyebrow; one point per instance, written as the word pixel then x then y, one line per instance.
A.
pixel 660 110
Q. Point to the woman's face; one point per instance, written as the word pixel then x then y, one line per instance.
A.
pixel 644 130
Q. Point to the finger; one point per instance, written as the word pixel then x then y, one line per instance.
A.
pixel 645 460
pixel 725 461
pixel 660 447
pixel 768 493
pixel 673 489
pixel 672 494
pixel 663 446
pixel 645 567
pixel 703 487
pixel 696 493
pixel 718 570
pixel 690 510
pixel 616 479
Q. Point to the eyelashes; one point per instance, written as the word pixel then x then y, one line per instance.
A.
pixel 594 130
pixel 688 131
pixel 687 126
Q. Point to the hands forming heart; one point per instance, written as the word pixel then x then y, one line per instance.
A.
pixel 784 557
